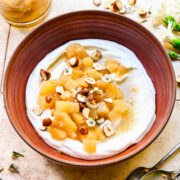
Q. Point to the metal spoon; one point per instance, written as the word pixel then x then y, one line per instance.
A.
pixel 141 171
pixel 162 175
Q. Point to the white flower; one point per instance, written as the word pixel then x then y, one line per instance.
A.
pixel 165 34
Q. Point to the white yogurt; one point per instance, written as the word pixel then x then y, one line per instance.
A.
pixel 144 100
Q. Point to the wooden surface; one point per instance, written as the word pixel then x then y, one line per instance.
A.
pixel 34 166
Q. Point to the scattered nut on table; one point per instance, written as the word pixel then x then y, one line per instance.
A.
pixel 97 2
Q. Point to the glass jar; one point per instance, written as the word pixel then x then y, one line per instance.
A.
pixel 25 13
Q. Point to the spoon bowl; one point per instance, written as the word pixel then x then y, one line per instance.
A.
pixel 161 175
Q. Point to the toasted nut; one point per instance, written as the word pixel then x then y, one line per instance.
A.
pixel 98 66
pixel 79 89
pixel 48 99
pixel 37 111
pixel 90 96
pixel 90 80
pixel 67 71
pixel 96 55
pixel 84 91
pixel 91 105
pixel 60 90
pixel 108 129
pixel 132 2
pixel 97 2
pixel 90 122
pixel 107 5
pixel 81 98
pixel 74 62
pixel 117 5
pixel 85 112
pixel 100 121
pixel 74 92
pixel 178 80
pixel 45 74
pixel 106 78
pixel 43 128
pixel 142 12
pixel 47 122
pixel 109 100
pixel 81 106
pixel 123 10
pixel 83 129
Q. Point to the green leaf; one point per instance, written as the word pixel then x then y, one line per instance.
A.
pixel 143 21
pixel 176 43
pixel 149 11
pixel 173 55
pixel 176 25
pixel 16 155
pixel 2 169
pixel 13 169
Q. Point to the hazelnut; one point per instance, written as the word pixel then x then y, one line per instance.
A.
pixel 90 81
pixel 123 10
pixel 100 121
pixel 108 129
pixel 90 122
pixel 142 13
pixel 47 122
pixel 109 100
pixel 43 128
pixel 81 106
pixel 74 62
pixel 74 92
pixel 116 4
pixel 45 74
pixel 83 129
pixel 81 98
pixel 98 66
pixel 37 111
pixel 96 55
pixel 92 105
pixel 48 99
pixel 85 112
pixel 59 90
pixel 84 91
pixel 97 2
pixel 132 2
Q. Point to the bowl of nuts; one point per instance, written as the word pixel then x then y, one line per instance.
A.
pixel 93 95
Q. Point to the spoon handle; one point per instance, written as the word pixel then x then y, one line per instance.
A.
pixel 167 156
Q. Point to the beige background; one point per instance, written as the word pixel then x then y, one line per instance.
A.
pixel 34 166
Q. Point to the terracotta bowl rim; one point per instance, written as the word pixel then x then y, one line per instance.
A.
pixel 118 159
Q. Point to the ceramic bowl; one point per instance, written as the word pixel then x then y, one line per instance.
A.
pixel 82 25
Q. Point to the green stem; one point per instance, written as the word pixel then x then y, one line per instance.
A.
pixel 176 25
pixel 173 55
pixel 176 43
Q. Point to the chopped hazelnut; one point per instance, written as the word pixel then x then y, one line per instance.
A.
pixel 48 99
pixel 96 55
pixel 81 98
pixel 37 111
pixel 142 12
pixel 90 122
pixel 81 106
pixel 108 129
pixel 74 62
pixel 123 10
pixel 85 112
pixel 109 100
pixel 90 96
pixel 132 2
pixel 90 81
pixel 84 91
pixel 178 80
pixel 98 66
pixel 46 122
pixel 59 90
pixel 97 2
pixel 83 129
pixel 45 74
pixel 117 5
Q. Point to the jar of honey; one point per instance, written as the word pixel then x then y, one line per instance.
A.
pixel 24 13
